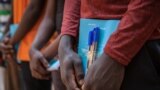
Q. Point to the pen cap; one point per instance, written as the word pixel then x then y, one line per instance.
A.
pixel 96 34
pixel 90 38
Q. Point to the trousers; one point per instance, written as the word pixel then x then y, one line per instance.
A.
pixel 143 73
pixel 33 83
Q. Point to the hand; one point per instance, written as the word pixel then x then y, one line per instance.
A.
pixel 104 74
pixel 70 64
pixel 5 47
pixel 56 80
pixel 38 65
pixel 71 71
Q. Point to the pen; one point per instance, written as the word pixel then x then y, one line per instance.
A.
pixel 95 42
pixel 90 42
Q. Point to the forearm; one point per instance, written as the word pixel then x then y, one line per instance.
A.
pixel 29 19
pixel 47 27
pixel 46 30
pixel 135 28
pixel 65 46
pixel 52 50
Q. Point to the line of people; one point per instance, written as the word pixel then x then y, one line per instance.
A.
pixel 38 21
pixel 49 29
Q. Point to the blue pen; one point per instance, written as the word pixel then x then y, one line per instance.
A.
pixel 95 41
pixel 90 39
pixel 90 42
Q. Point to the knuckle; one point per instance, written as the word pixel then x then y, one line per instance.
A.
pixel 85 87
pixel 36 67
pixel 78 62
pixel 88 83
pixel 69 57
pixel 67 62
pixel 64 79
pixel 80 75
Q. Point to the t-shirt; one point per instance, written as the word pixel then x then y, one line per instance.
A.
pixel 23 52
pixel 139 22
pixel 19 7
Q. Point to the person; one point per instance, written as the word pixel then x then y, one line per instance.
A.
pixel 40 52
pixel 25 34
pixel 130 60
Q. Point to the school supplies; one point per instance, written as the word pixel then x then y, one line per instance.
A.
pixel 54 65
pixel 104 27
pixel 92 44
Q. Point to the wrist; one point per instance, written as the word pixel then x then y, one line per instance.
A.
pixel 65 46
pixel 110 59
pixel 46 55
pixel 34 46
pixel 32 51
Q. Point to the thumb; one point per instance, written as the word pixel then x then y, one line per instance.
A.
pixel 84 87
pixel 79 72
pixel 44 62
pixel 6 40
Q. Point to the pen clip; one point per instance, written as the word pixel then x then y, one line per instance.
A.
pixel 96 34
pixel 90 38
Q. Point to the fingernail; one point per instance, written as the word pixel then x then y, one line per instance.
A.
pixel 77 89
pixel 81 82
pixel 82 87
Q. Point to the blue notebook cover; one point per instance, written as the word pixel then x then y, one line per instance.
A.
pixel 107 27
pixel 12 31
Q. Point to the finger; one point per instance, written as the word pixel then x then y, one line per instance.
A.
pixel 41 70
pixel 56 80
pixel 6 40
pixel 4 57
pixel 87 84
pixel 71 81
pixel 44 62
pixel 79 72
pixel 85 87
pixel 9 56
pixel 67 75
pixel 8 52
pixel 39 76
pixel 88 80
pixel 5 47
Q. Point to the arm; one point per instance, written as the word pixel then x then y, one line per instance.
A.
pixel 38 63
pixel 71 18
pixel 29 18
pixel 47 27
pixel 71 65
pixel 52 49
pixel 135 28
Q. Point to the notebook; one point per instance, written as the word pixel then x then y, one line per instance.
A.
pixel 106 28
